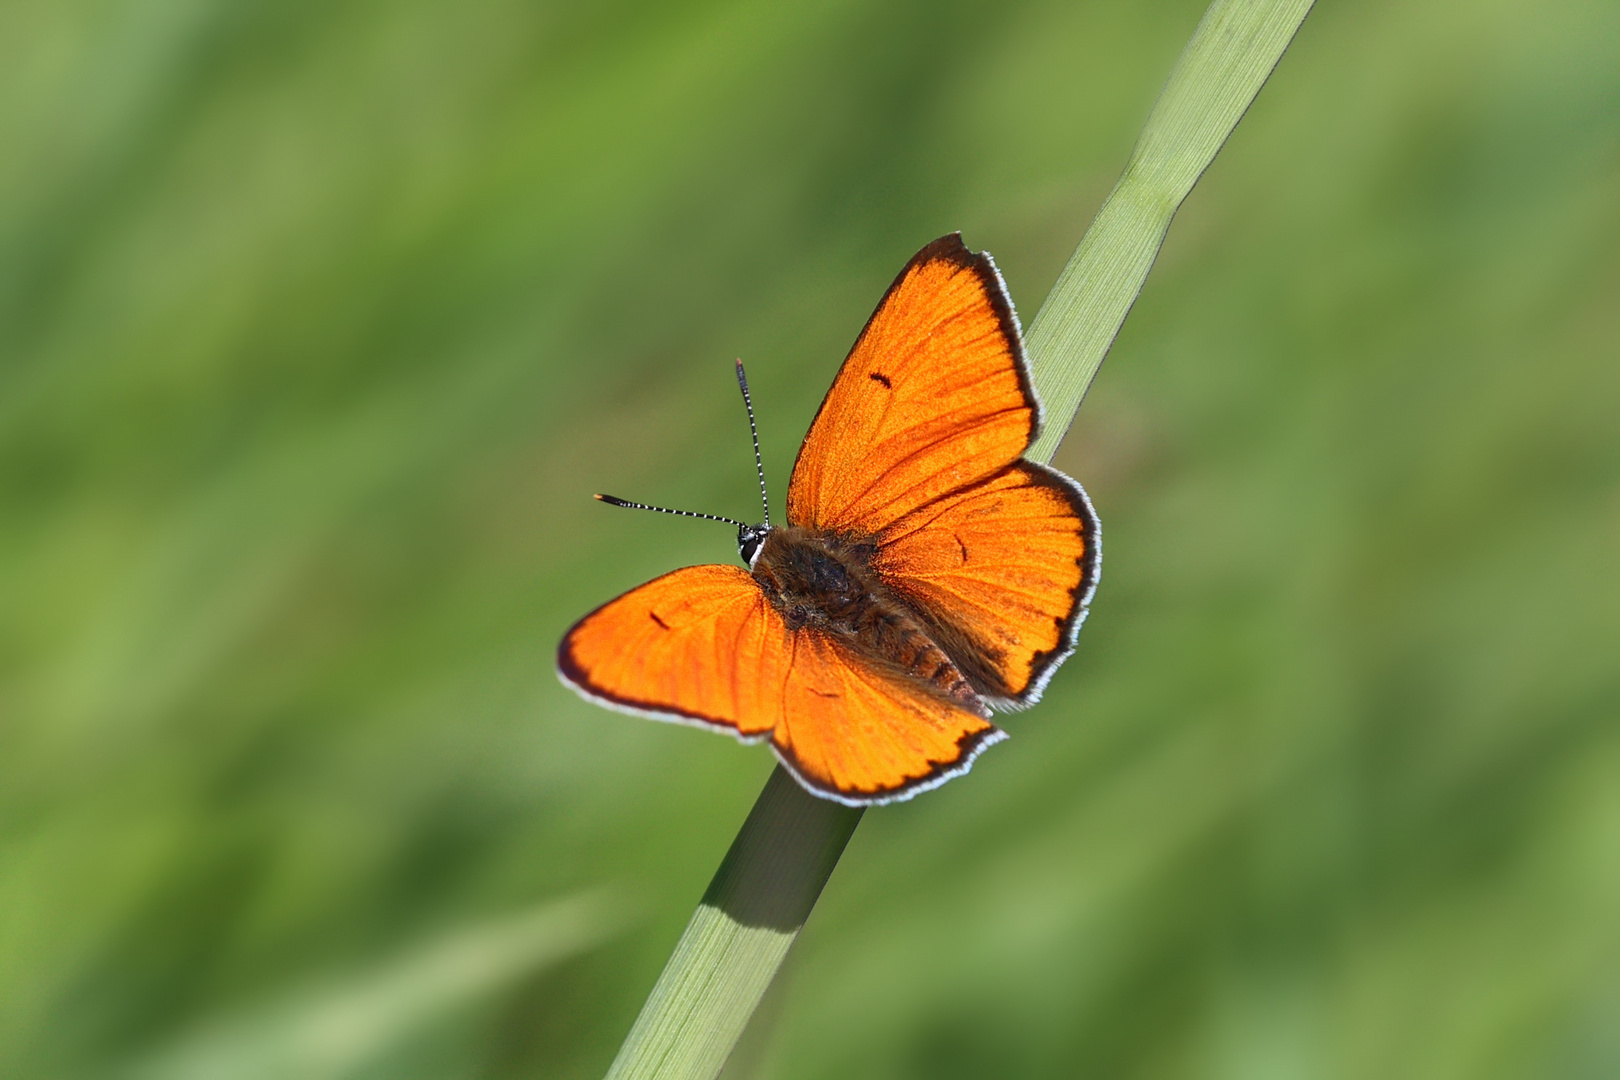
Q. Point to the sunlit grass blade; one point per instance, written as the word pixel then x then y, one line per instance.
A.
pixel 748 918
pixel 776 868
pixel 1229 58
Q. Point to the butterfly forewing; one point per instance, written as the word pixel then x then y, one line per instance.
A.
pixel 932 398
pixel 700 644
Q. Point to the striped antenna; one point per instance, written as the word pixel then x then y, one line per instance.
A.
pixel 759 462
pixel 611 501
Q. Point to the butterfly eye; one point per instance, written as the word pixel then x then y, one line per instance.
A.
pixel 749 540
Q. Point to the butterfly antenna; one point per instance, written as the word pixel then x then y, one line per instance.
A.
pixel 611 501
pixel 759 462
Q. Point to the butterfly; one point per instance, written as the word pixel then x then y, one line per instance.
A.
pixel 927 573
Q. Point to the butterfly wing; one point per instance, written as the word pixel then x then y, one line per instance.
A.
pixel 917 447
pixel 1001 573
pixel 860 735
pixel 933 397
pixel 703 646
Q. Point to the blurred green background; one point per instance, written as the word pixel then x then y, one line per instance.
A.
pixel 320 322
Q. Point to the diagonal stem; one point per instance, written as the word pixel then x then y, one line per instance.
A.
pixel 739 935
pixel 776 868
pixel 1223 67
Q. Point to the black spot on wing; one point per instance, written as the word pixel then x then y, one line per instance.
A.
pixel 879 377
pixel 653 615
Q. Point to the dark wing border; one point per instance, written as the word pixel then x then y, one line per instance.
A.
pixel 971 746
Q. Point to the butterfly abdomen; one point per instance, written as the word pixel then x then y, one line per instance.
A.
pixel 825 582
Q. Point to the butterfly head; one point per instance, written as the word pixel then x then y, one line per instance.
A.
pixel 750 539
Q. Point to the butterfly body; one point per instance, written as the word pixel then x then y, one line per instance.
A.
pixel 927 573
pixel 826 582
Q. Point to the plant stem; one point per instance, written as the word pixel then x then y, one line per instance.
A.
pixel 777 866
pixel 750 915
pixel 1230 56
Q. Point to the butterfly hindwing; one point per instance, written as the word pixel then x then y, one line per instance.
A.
pixel 854 732
pixel 1001 573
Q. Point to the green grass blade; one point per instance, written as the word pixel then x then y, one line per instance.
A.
pixel 776 868
pixel 1230 56
pixel 741 931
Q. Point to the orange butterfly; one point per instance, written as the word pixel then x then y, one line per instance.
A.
pixel 926 575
